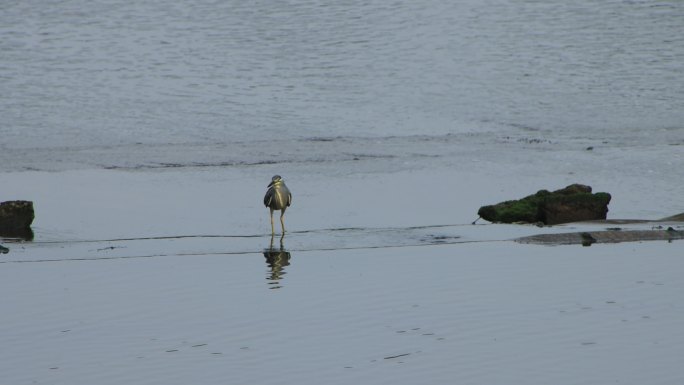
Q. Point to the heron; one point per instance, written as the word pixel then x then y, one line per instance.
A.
pixel 278 197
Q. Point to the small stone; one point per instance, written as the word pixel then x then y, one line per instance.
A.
pixel 587 239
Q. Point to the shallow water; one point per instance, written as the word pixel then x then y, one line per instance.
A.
pixel 145 135
pixel 475 313
pixel 152 277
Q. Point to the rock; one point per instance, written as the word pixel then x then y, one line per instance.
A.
pixel 587 239
pixel 16 218
pixel 571 204
pixel 603 236
pixel 3 250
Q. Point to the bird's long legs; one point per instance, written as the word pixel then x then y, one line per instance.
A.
pixel 272 229
pixel 282 223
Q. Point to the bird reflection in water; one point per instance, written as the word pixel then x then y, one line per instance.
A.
pixel 276 259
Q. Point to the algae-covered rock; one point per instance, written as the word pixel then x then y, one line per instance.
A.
pixel 16 218
pixel 570 204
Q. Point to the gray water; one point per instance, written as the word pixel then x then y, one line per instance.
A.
pixel 100 84
pixel 163 271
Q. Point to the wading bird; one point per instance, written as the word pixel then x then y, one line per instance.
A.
pixel 278 197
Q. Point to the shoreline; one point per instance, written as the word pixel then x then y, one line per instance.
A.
pixel 114 204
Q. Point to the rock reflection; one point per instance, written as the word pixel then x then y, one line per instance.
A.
pixel 277 259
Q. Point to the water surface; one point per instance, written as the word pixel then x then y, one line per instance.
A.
pixel 101 84
pixel 146 134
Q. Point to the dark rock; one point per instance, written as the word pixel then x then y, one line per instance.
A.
pixel 587 239
pixel 16 218
pixel 571 204
pixel 3 250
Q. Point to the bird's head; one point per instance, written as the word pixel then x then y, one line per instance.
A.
pixel 275 180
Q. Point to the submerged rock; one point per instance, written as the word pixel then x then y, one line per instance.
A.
pixel 603 236
pixel 571 204
pixel 16 218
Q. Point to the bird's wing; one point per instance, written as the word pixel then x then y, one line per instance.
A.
pixel 268 197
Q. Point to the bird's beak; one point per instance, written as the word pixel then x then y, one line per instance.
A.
pixel 270 184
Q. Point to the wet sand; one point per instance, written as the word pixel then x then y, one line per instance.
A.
pixel 171 277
